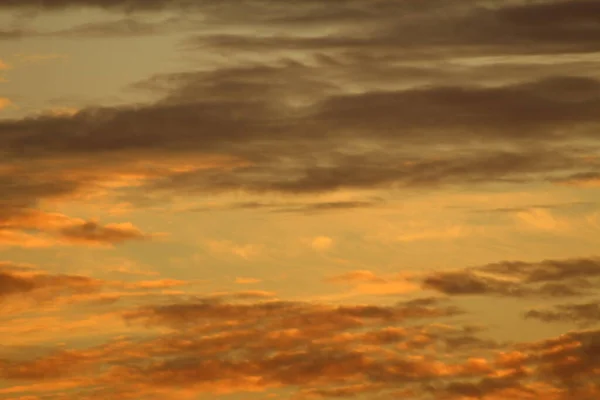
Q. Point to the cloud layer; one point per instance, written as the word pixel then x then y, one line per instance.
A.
pixel 362 164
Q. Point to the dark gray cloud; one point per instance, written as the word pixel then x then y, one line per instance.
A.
pixel 580 179
pixel 512 112
pixel 22 190
pixel 583 314
pixel 435 29
pixel 301 208
pixel 281 313
pixel 300 127
pixel 547 270
pixel 315 149
pixel 228 110
pixel 575 205
pixel 571 360
pixel 330 206
pixel 150 5
pixel 116 28
pixel 371 171
pixel 242 112
pixel 10 34
pixel 548 278
pixel 467 283
pixel 485 386
pixel 414 28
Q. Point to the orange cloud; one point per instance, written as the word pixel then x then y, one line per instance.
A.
pixel 356 276
pixel 19 286
pixel 157 284
pixel 245 251
pixel 367 282
pixel 4 103
pixel 218 345
pixel 321 243
pixel 246 281
pixel 21 239
pixel 59 229
pixel 583 180
pixel 91 232
pixel 542 220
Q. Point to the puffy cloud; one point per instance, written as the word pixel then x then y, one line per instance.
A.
pixel 227 345
pixel 250 341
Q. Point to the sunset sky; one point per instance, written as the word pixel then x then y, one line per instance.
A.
pixel 299 199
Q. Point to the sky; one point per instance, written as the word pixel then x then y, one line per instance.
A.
pixel 303 200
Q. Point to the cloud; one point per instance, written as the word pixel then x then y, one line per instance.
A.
pixel 61 364
pixel 58 229
pixel 63 111
pixel 356 276
pixel 246 281
pixel 453 232
pixel 118 28
pixel 584 314
pixel 25 288
pixel 41 285
pixel 182 314
pixel 245 251
pixel 583 179
pixel 321 243
pixel 107 4
pixel 220 345
pixel 410 31
pixel 93 233
pixel 465 283
pixel 330 206
pixel 368 140
pixel 314 99
pixel 542 220
pixel 249 341
pixel 333 356
pixel 366 282
pixel 408 28
pixel 308 208
pixel 242 295
pixel 4 103
pixel 157 284
pixel 548 278
pixel 129 26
